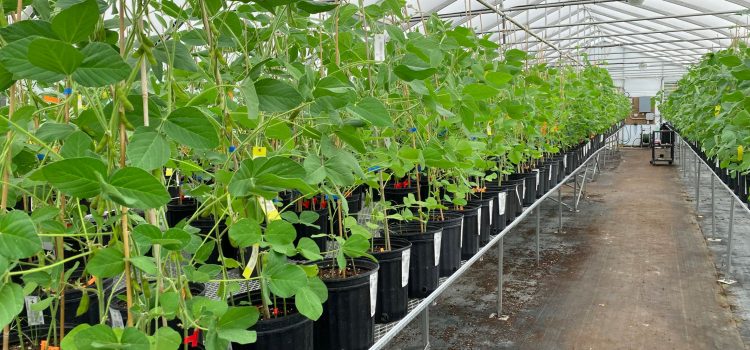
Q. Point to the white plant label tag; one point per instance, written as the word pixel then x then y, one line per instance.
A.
pixel 520 202
pixel 379 42
pixel 549 178
pixel 565 161
pixel 717 162
pixel 479 221
pixel 373 293
pixel 492 210
pixel 229 346
pixel 405 259
pixel 501 198
pixel 436 246
pixel 537 177
pixel 34 318
pixel 523 193
pixel 461 235
pixel 601 138
pixel 116 318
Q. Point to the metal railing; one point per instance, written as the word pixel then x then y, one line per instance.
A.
pixel 422 308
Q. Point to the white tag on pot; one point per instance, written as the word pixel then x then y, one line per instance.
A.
pixel 479 221
pixel 116 317
pixel 549 173
pixel 518 196
pixel 461 235
pixel 379 42
pixel 34 318
pixel 501 197
pixel 523 192
pixel 436 246
pixel 492 210
pixel 537 177
pixel 565 161
pixel 405 259
pixel 373 293
pixel 601 138
pixel 717 162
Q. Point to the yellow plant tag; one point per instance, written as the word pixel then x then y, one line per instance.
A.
pixel 717 110
pixel 740 152
pixel 259 151
pixel 489 128
pixel 248 270
pixel 269 209
pixel 168 172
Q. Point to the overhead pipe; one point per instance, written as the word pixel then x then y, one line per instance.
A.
pixel 514 9
pixel 638 33
pixel 638 19
pixel 516 23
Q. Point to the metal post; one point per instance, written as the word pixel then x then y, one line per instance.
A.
pixel 500 278
pixel 731 231
pixel 697 185
pixel 559 209
pixel 713 206
pixel 538 220
pixel 426 327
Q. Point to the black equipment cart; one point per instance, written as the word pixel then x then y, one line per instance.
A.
pixel 662 140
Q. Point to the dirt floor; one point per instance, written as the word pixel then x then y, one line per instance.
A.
pixel 631 270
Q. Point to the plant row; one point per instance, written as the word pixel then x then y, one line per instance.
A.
pixel 711 110
pixel 261 175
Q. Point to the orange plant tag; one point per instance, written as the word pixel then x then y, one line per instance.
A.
pixel 50 99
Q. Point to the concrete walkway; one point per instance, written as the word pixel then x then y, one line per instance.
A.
pixel 631 270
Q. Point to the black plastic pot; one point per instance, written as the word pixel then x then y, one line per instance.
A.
pixel 541 182
pixel 425 258
pixel 450 249
pixel 554 175
pixel 498 209
pixel 292 331
pixel 309 231
pixel 206 225
pixel 470 230
pixel 177 211
pixel 393 279
pixel 486 217
pixel 511 203
pixel 528 186
pixel 348 315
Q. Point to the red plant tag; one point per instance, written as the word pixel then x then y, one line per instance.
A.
pixel 193 338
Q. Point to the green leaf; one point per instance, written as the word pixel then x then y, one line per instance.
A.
pixel 69 341
pixel 54 55
pixel 314 7
pixel 412 67
pixel 239 336
pixel 136 188
pixel 280 232
pixel 174 239
pixel 276 96
pixel 240 317
pixel 191 127
pixel 27 28
pixel 51 131
pixel 6 78
pixel 18 236
pixel 309 249
pixel 77 145
pixel 730 61
pixel 166 338
pixel 107 262
pixel 308 303
pixel 76 22
pixel 267 176
pixel 11 302
pixel 480 91
pixel 147 149
pixel 245 232
pixel 96 338
pixel 174 53
pixel 515 55
pixel 14 58
pixel 498 78
pixel 78 177
pixel 145 263
pixel 247 88
pixel 356 246
pixel 286 280
pixel 373 111
pixel 318 287
pixel 134 339
pixel 101 66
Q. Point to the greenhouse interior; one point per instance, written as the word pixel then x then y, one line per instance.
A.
pixel 374 174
